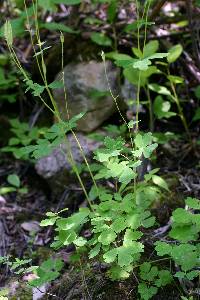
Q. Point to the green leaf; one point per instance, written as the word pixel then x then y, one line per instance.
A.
pixel 110 256
pixel 197 91
pixel 118 56
pixel 192 202
pixel 107 237
pixel 48 271
pixel 112 11
pixel 58 27
pixel 95 251
pixel 14 180
pixel 159 89
pixel 48 222
pixel 47 5
pixel 174 53
pixel 101 39
pixel 146 292
pixel 175 79
pixel 181 216
pixel 144 145
pixel 56 84
pixel 150 48
pixel 165 278
pixel 163 248
pixel 133 75
pixel 142 64
pixel 184 233
pixel 185 255
pixel 125 256
pixel 160 182
pixel 118 225
pixel 8 34
pixel 197 115
pixel 80 241
pixel 161 108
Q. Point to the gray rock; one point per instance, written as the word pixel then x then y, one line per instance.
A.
pixel 84 81
pixel 56 168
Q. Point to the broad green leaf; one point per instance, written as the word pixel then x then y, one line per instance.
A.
pixel 161 108
pixel 175 79
pixel 181 216
pixel 48 222
pixel 47 5
pixel 58 26
pixel 118 225
pixel 14 180
pixel 159 89
pixel 184 233
pixel 95 251
pixel 133 75
pixel 80 241
pixel 165 277
pixel 110 256
pixel 197 115
pixel 150 48
pixel 112 11
pixel 101 39
pixel 193 203
pixel 137 52
pixel 160 182
pixel 125 256
pixel 174 53
pixel 107 237
pixel 185 255
pixel 146 292
pixel 163 248
pixel 117 56
pixel 5 190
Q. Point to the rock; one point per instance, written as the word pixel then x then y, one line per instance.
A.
pixel 87 90
pixel 31 226
pixel 56 168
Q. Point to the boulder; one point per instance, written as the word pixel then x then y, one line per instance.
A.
pixel 87 90
pixel 56 168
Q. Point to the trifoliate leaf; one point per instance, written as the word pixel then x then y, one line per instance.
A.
pixel 144 145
